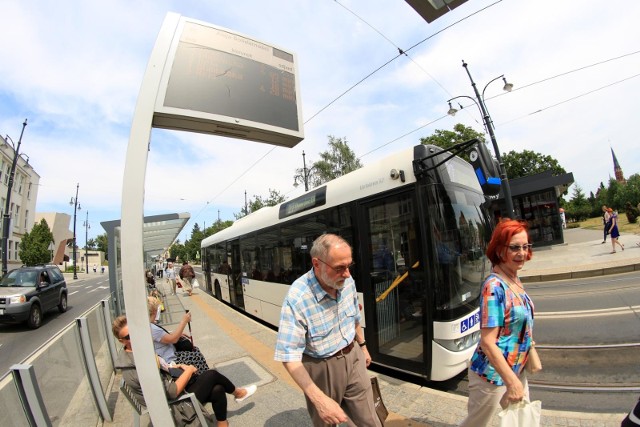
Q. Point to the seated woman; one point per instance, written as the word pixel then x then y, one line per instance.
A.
pixel 210 387
pixel 164 341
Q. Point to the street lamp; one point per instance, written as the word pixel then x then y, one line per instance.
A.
pixel 51 248
pixel 488 124
pixel 6 217
pixel 87 226
pixel 305 174
pixel 76 207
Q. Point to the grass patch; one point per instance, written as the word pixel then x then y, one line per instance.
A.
pixel 596 224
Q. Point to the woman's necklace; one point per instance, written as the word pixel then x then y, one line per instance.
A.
pixel 511 280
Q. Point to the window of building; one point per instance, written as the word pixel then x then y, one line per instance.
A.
pixel 26 219
pixel 7 171
pixel 20 182
pixel 29 191
pixel 16 222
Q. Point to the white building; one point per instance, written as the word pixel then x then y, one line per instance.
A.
pixel 22 207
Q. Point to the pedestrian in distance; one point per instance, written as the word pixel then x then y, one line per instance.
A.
pixel 496 375
pixel 605 222
pixel 320 340
pixel 170 275
pixel 613 230
pixel 186 275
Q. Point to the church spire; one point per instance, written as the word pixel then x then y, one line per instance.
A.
pixel 617 169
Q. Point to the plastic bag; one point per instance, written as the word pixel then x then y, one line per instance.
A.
pixel 521 414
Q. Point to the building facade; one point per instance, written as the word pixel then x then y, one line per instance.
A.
pixel 22 203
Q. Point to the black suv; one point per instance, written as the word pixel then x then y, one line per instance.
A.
pixel 26 293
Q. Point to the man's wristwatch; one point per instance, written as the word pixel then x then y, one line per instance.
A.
pixel 362 344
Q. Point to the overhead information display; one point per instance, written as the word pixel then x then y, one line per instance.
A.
pixel 218 81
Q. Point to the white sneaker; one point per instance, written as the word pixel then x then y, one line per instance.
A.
pixel 250 390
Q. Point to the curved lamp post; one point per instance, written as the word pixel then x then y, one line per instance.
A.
pixel 305 174
pixel 6 217
pixel 76 208
pixel 87 226
pixel 488 124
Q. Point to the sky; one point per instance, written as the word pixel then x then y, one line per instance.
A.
pixel 74 69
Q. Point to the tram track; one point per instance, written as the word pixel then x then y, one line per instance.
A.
pixel 601 377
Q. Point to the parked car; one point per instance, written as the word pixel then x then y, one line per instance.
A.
pixel 27 293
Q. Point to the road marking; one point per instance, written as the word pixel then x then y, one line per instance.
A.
pixel 587 313
pixel 74 292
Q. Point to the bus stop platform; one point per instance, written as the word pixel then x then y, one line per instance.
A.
pixel 242 349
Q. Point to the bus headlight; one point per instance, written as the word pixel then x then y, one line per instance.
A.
pixel 460 344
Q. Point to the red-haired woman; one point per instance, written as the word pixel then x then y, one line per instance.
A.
pixel 496 374
pixel 613 230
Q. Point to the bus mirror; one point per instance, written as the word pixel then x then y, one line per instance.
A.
pixel 486 169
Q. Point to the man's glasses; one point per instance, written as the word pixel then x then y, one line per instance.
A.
pixel 126 337
pixel 339 270
pixel 518 248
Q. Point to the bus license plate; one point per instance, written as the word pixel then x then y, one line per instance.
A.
pixel 1 311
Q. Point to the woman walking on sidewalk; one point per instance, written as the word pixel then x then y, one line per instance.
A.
pixel 613 230
pixel 496 375
pixel 605 222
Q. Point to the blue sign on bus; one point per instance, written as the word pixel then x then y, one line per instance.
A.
pixel 469 322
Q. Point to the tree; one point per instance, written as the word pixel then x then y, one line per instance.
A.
pixel 91 244
pixel 34 248
pixel 217 226
pixel 192 246
pixel 578 208
pixel 178 251
pixel 337 161
pixel 102 244
pixel 446 139
pixel 258 202
pixel 519 164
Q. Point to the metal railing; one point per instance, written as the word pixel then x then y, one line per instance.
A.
pixel 66 381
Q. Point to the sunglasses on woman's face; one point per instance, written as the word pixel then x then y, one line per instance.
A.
pixel 518 248
pixel 126 337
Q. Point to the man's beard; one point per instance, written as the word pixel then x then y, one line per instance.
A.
pixel 333 284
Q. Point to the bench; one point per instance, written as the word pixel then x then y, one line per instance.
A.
pixel 139 410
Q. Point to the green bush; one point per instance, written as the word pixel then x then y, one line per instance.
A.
pixel 631 212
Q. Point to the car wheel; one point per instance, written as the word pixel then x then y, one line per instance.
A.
pixel 35 317
pixel 62 307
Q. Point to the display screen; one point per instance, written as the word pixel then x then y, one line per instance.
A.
pixel 220 72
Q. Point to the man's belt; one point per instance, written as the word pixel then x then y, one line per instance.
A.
pixel 343 352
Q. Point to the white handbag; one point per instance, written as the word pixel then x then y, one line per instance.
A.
pixel 521 414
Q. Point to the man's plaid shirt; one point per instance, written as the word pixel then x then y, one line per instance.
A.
pixel 313 323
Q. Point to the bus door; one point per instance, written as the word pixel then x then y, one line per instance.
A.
pixel 235 284
pixel 394 295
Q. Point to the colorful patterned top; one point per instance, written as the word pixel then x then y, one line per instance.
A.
pixel 313 323
pixel 501 307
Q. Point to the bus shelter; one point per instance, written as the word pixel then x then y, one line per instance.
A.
pixel 158 233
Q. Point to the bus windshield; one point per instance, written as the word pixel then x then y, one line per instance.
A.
pixel 459 232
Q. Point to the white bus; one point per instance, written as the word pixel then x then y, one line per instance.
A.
pixel 418 227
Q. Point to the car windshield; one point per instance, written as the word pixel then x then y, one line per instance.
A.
pixel 18 279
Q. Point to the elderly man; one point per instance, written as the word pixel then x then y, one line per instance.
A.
pixel 321 343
